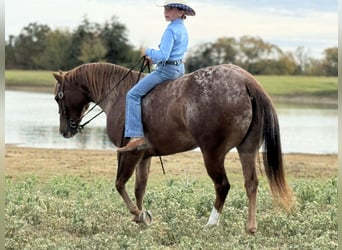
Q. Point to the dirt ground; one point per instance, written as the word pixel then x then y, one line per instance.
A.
pixel 88 164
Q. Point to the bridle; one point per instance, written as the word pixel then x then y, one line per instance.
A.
pixel 72 124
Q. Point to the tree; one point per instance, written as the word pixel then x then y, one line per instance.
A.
pixel 330 62
pixel 29 45
pixel 255 54
pixel 39 47
pixel 114 35
pixel 251 53
pixel 199 57
pixel 55 54
pixel 286 65
pixel 10 62
pixel 223 50
pixel 303 58
pixel 92 50
pixel 86 31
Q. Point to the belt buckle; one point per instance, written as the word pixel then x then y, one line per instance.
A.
pixel 177 62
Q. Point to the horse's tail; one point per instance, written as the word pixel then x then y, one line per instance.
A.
pixel 265 114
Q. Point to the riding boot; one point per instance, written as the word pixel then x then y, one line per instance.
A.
pixel 134 144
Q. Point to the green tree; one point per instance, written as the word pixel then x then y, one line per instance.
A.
pixel 255 54
pixel 56 51
pixel 10 62
pixel 114 36
pixel 39 47
pixel 199 57
pixel 92 50
pixel 327 66
pixel 29 45
pixel 83 34
pixel 251 53
pixel 286 64
pixel 223 50
pixel 330 62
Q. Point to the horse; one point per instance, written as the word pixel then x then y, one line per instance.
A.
pixel 215 109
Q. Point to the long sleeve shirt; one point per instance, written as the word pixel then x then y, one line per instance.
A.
pixel 173 45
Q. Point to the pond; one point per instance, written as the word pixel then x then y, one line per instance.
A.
pixel 32 121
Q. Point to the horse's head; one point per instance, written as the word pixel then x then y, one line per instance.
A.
pixel 72 103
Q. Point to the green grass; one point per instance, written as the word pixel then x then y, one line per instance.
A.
pixel 300 85
pixel 67 212
pixel 34 78
pixel 288 86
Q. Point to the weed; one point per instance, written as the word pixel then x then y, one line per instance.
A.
pixel 68 212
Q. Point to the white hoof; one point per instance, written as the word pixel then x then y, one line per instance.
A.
pixel 214 218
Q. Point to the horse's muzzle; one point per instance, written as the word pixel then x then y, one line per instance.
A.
pixel 70 129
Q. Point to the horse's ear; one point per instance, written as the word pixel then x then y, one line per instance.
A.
pixel 58 77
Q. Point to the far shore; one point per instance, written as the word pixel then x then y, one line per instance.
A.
pixel 37 89
pixel 305 100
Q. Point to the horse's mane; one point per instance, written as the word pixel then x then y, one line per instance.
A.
pixel 100 77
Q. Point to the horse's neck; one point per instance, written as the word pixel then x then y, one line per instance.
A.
pixel 108 92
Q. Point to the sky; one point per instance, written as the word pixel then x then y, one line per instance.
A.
pixel 288 24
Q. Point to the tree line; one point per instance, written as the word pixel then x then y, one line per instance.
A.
pixel 39 47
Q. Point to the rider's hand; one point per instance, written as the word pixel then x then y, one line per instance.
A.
pixel 148 59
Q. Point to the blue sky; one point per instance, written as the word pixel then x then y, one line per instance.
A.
pixel 288 24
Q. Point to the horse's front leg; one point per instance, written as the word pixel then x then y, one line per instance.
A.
pixel 142 172
pixel 126 166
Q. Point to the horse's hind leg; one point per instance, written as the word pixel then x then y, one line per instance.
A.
pixel 214 164
pixel 248 162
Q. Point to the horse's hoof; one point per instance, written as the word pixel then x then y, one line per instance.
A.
pixel 251 230
pixel 211 225
pixel 145 217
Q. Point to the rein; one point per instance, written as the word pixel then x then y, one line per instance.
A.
pixel 142 68
pixel 72 124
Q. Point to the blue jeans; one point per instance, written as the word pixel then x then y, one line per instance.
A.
pixel 133 122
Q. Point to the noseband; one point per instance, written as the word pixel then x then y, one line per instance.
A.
pixel 72 124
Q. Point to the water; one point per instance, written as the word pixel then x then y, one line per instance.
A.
pixel 32 121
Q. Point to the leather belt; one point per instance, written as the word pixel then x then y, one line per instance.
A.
pixel 177 62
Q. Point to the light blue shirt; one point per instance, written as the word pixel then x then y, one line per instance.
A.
pixel 173 45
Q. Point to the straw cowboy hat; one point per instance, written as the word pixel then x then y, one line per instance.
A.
pixel 180 4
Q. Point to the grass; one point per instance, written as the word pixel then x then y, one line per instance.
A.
pixel 68 212
pixel 286 86
pixel 300 86
pixel 35 78
pixel 66 199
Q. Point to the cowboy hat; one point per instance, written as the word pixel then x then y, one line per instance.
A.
pixel 179 4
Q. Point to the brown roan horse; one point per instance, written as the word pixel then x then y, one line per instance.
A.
pixel 214 108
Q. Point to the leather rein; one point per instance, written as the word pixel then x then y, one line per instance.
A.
pixel 72 124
